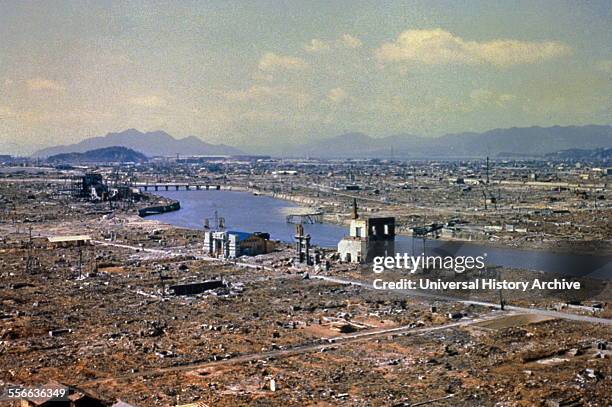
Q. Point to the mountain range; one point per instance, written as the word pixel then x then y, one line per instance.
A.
pixel 513 142
pixel 155 143
pixel 526 141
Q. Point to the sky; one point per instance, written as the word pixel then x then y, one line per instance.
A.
pixel 255 73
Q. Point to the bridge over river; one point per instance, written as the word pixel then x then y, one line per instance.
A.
pixel 175 186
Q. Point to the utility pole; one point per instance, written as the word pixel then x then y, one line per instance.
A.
pixel 80 261
pixel 161 282
pixel 29 261
pixel 502 303
pixel 484 195
pixel 95 260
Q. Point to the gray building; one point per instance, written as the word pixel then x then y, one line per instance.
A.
pixel 232 244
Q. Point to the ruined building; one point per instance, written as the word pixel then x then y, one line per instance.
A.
pixel 230 244
pixel 302 245
pixel 368 238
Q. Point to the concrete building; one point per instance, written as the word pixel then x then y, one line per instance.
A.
pixel 92 185
pixel 69 241
pixel 231 244
pixel 367 239
pixel 302 245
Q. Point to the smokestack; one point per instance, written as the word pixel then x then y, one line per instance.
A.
pixel 355 215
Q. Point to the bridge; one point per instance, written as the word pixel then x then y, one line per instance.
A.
pixel 305 217
pixel 427 229
pixel 167 186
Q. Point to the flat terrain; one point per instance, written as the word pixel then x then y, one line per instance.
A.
pixel 101 317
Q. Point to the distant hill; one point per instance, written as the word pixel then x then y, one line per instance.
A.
pixel 526 141
pixel 156 143
pixel 512 142
pixel 596 154
pixel 101 155
pixel 344 145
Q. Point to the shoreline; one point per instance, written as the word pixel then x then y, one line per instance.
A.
pixel 498 244
pixel 172 206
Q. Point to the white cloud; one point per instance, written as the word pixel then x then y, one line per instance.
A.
pixel 147 101
pixel 317 45
pixel 262 116
pixel 486 97
pixel 337 95
pixel 37 84
pixel 344 41
pixel 271 62
pixel 262 93
pixel 348 41
pixel 506 98
pixel 255 92
pixel 442 47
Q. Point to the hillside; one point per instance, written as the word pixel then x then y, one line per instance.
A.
pixel 597 154
pixel 513 142
pixel 101 155
pixel 156 143
pixel 527 141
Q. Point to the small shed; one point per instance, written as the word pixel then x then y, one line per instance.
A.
pixel 69 241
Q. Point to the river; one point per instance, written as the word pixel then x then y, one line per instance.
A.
pixel 246 212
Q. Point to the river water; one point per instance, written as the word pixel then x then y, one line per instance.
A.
pixel 246 212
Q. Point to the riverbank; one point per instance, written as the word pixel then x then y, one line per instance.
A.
pixel 532 243
pixel 265 212
pixel 164 205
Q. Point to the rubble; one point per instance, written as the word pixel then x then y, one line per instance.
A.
pixel 266 329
